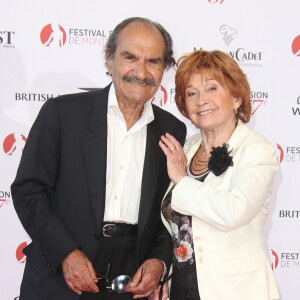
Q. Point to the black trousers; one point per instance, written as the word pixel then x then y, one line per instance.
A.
pixel 122 255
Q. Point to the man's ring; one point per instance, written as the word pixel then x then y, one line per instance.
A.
pixel 172 149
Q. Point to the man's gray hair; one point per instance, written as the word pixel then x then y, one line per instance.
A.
pixel 112 41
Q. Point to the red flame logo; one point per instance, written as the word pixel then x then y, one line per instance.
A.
pixel 19 252
pixel 14 142
pixel 274 266
pixel 53 35
pixel 162 94
pixel 281 155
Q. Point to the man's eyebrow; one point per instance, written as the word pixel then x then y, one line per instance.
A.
pixel 127 53
pixel 158 59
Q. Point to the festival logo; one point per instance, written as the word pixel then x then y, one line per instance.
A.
pixel 290 154
pixel 280 152
pixel 161 97
pixel 19 252
pixel 296 45
pixel 285 259
pixel 53 35
pixel 5 198
pixel 274 260
pixel 14 143
pixel 6 39
pixel 257 99
pixel 227 33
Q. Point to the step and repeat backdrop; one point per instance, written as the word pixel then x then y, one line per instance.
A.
pixel 49 48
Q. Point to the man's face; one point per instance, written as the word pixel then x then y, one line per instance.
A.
pixel 138 63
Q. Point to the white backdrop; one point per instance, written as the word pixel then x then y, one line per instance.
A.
pixel 49 48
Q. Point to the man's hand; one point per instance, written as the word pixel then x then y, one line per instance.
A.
pixel 146 279
pixel 79 273
pixel 165 293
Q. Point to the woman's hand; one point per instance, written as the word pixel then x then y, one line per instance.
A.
pixel 165 293
pixel 176 159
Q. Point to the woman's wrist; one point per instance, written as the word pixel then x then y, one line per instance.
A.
pixel 178 178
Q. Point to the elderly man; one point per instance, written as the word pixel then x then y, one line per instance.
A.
pixel 92 176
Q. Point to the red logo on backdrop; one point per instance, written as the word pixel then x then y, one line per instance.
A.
pixel 2 201
pixel 256 103
pixel 160 97
pixel 296 46
pixel 14 143
pixel 19 252
pixel 257 99
pixel 276 260
pixel 216 1
pixel 281 153
pixel 4 198
pixel 53 35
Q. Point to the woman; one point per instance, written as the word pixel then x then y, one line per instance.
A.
pixel 217 203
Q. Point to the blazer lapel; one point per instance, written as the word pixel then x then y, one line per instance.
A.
pixel 95 153
pixel 153 159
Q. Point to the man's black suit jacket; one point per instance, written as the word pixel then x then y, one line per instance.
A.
pixel 59 190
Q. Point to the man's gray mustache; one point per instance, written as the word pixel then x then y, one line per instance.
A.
pixel 134 79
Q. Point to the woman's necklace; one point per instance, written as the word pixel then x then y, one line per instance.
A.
pixel 198 166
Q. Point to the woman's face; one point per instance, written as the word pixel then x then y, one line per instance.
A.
pixel 209 105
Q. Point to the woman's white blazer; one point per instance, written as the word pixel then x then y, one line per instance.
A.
pixel 228 216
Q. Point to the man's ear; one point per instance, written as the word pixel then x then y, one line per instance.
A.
pixel 108 64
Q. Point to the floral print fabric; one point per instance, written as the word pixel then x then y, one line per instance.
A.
pixel 182 238
pixel 184 281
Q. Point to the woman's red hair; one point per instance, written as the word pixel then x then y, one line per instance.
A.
pixel 222 68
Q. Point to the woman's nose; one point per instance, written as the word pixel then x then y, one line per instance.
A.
pixel 202 99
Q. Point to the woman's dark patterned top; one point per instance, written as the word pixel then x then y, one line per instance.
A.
pixel 184 281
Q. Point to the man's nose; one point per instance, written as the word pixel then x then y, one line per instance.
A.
pixel 141 70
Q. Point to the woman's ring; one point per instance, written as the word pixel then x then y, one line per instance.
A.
pixel 172 149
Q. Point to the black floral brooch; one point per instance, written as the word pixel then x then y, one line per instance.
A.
pixel 220 160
